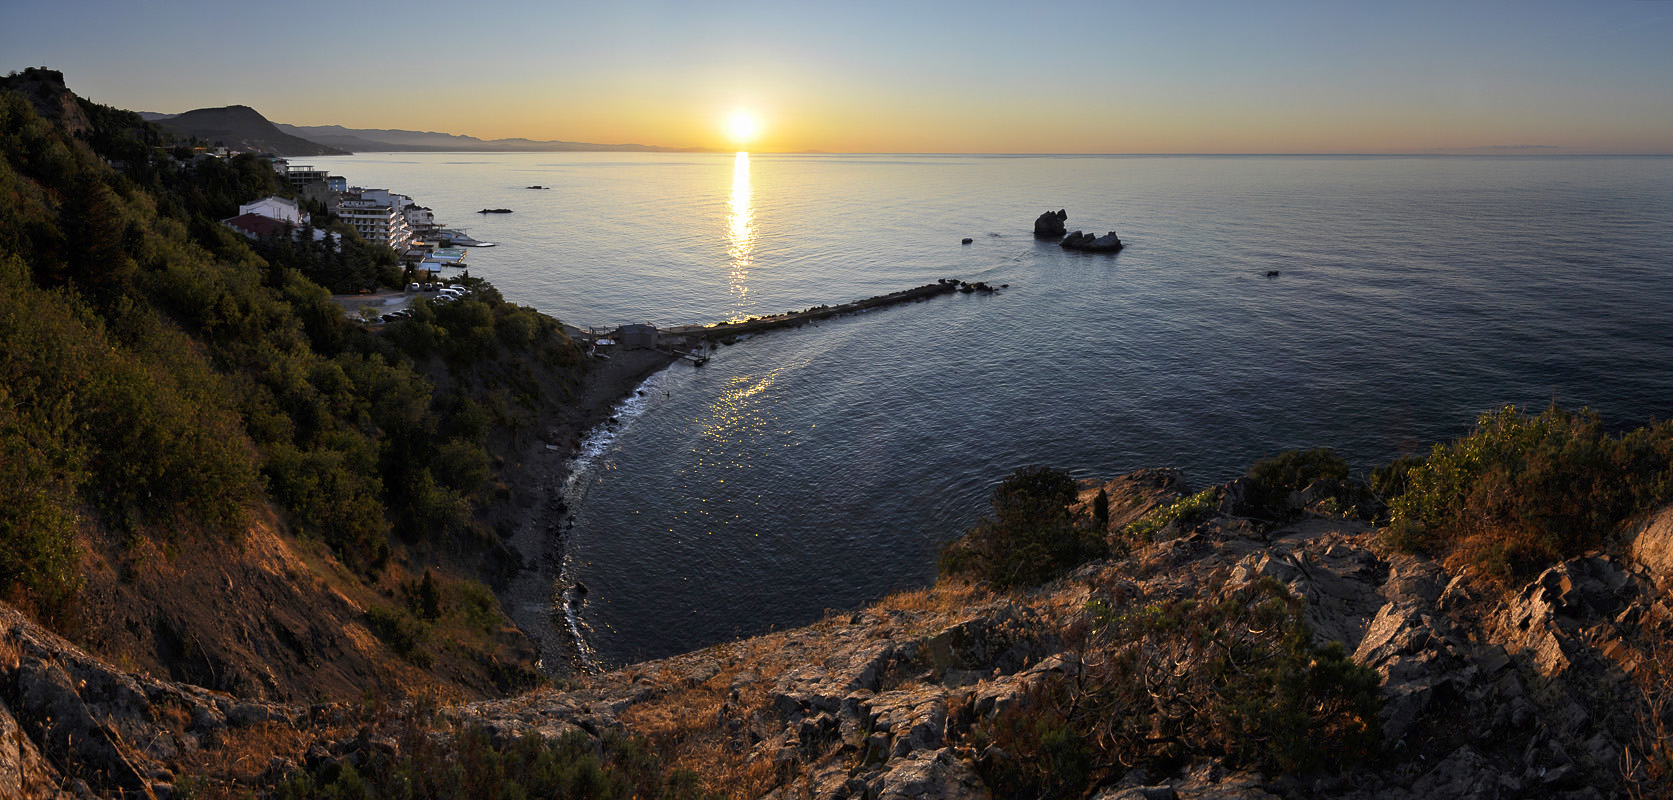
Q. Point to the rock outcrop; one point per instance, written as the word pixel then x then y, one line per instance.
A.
pixel 1536 692
pixel 1050 224
pixel 1090 243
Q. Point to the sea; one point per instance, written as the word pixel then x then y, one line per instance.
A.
pixel 1376 305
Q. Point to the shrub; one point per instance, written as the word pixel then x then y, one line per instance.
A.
pixel 1391 480
pixel 1031 536
pixel 1235 677
pixel 329 495
pixel 1186 511
pixel 401 632
pixel 1039 750
pixel 471 765
pixel 1520 491
pixel 1271 480
pixel 38 482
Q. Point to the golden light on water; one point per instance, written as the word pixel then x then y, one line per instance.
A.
pixel 740 238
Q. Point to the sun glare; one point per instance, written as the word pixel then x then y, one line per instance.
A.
pixel 743 127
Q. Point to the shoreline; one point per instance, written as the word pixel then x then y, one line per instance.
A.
pixel 533 596
pixel 537 597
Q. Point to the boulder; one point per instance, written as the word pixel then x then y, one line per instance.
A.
pixel 24 772
pixel 928 775
pixel 1050 224
pixel 1652 546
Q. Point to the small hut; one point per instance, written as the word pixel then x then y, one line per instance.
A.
pixel 635 336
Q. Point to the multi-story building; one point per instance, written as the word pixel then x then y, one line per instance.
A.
pixel 376 220
pixel 300 176
pixel 420 219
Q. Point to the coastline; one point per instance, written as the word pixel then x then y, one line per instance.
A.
pixel 542 519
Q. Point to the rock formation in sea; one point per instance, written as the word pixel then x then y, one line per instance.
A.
pixel 1091 243
pixel 1050 224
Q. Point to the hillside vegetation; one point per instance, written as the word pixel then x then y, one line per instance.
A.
pixel 163 385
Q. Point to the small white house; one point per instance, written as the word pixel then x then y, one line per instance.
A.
pixel 275 208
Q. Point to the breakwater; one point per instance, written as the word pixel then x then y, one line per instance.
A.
pixel 720 330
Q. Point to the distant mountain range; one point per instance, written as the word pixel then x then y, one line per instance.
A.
pixel 385 140
pixel 242 125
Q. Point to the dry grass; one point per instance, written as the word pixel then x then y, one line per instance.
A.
pixel 948 596
pixel 11 655
pixel 689 725
pixel 227 768
pixel 1647 763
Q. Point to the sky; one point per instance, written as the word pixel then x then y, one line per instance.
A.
pixel 901 76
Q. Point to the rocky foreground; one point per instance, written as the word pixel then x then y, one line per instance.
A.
pixel 1536 691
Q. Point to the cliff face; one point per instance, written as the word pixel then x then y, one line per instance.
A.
pixel 46 91
pixel 1540 692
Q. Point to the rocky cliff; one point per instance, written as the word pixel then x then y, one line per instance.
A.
pixel 1550 689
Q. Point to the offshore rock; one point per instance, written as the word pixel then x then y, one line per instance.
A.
pixel 1088 243
pixel 1050 224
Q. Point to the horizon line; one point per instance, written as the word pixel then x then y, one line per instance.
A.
pixel 1460 153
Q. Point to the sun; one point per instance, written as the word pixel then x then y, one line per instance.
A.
pixel 743 127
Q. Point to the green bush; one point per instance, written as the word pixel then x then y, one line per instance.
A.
pixel 1271 480
pixel 1040 749
pixel 405 635
pixel 1234 676
pixel 472 765
pixel 39 478
pixel 1187 511
pixel 330 496
pixel 1391 480
pixel 1031 536
pixel 1521 492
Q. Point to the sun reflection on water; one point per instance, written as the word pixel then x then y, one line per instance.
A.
pixel 740 235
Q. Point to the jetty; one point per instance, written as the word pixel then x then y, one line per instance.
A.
pixel 720 330
pixel 691 342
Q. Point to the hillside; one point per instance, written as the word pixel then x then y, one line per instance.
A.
pixel 243 128
pixel 208 472
pixel 1223 655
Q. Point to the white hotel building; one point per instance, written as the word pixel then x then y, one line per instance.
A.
pixel 376 214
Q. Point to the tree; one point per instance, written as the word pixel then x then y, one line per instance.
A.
pixel 1032 534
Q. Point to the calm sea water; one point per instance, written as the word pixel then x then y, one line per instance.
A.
pixel 822 467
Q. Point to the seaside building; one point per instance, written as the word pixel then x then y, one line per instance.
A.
pixel 421 220
pixel 633 336
pixel 376 216
pixel 276 208
pixel 257 226
pixel 312 184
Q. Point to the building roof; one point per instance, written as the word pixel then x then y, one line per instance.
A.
pixel 272 198
pixel 256 225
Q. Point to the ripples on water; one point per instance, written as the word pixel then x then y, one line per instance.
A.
pixel 822 467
